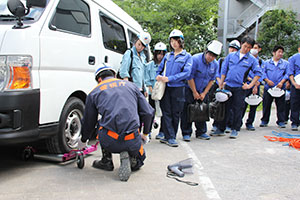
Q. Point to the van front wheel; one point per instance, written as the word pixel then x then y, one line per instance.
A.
pixel 69 127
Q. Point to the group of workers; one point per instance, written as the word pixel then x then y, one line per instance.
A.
pixel 125 111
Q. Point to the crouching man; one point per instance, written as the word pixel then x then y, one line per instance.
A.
pixel 122 108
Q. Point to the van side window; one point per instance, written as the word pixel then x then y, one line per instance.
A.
pixel 113 35
pixel 132 37
pixel 72 16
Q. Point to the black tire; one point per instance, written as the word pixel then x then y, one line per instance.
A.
pixel 80 161
pixel 69 127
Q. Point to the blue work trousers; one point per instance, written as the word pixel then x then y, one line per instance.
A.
pixel 295 106
pixel 172 105
pixel 236 104
pixel 185 125
pixel 267 104
pixel 252 111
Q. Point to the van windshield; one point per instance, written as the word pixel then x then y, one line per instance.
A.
pixel 34 14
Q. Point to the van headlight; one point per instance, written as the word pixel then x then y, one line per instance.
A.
pixel 15 72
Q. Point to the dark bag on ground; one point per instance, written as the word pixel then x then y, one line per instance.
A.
pixel 198 112
pixel 217 110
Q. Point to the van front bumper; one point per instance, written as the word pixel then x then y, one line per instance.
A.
pixel 19 116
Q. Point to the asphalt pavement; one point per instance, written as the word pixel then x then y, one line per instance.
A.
pixel 249 167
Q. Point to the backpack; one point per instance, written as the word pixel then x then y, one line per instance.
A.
pixel 130 68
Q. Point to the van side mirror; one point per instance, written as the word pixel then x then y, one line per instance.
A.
pixel 16 7
pixel 36 3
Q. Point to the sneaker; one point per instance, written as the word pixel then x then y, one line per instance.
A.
pixel 203 136
pixel 163 140
pixel 172 143
pixel 294 128
pixel 218 132
pixel 104 164
pixel 250 127
pixel 124 170
pixel 160 135
pixel 281 125
pixel 186 138
pixel 263 124
pixel 227 130
pixel 214 128
pixel 233 134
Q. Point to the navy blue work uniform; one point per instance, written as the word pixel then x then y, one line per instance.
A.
pixel 252 111
pixel 202 73
pixel 294 69
pixel 275 73
pixel 178 69
pixel 234 70
pixel 121 106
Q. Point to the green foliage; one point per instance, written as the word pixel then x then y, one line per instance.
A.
pixel 195 18
pixel 279 27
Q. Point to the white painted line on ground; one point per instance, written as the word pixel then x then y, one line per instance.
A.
pixel 204 180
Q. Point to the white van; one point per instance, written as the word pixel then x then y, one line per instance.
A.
pixel 47 62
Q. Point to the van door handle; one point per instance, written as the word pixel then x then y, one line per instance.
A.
pixel 92 60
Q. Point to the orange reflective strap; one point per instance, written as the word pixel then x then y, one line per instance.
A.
pixel 129 137
pixel 141 150
pixel 113 134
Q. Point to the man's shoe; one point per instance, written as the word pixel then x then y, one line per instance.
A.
pixel 186 138
pixel 172 143
pixel 160 135
pixel 281 125
pixel 250 127
pixel 214 128
pixel 263 124
pixel 218 132
pixel 294 128
pixel 104 164
pixel 163 140
pixel 125 169
pixel 203 136
pixel 227 130
pixel 233 134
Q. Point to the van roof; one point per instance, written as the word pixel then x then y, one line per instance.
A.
pixel 118 12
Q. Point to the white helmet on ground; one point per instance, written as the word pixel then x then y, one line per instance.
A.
pixel 145 38
pixel 160 47
pixel 222 95
pixel 276 92
pixel 215 47
pixel 235 44
pixel 103 67
pixel 176 33
pixel 253 100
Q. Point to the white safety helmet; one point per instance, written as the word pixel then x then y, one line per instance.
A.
pixel 176 33
pixel 215 47
pixel 235 44
pixel 297 79
pixel 253 100
pixel 222 95
pixel 145 38
pixel 160 47
pixel 287 95
pixel 276 92
pixel 103 67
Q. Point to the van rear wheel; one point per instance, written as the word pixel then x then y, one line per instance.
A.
pixel 69 127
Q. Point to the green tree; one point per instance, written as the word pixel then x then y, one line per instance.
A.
pixel 195 18
pixel 279 27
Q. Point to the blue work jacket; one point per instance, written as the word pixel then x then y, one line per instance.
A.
pixel 294 65
pixel 203 72
pixel 275 73
pixel 235 68
pixel 138 67
pixel 150 74
pixel 121 106
pixel 178 69
pixel 251 74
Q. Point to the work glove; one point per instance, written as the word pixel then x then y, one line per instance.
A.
pixel 81 145
pixel 145 138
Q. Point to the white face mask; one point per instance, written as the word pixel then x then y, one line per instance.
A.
pixel 254 52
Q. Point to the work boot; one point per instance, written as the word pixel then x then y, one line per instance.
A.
pixel 106 162
pixel 124 170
